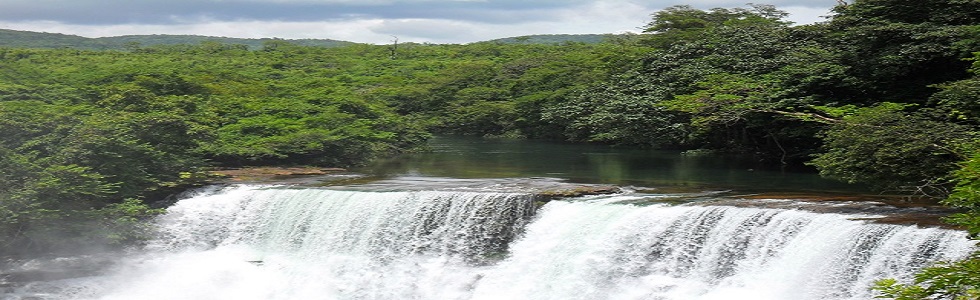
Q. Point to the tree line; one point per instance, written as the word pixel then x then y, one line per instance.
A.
pixel 884 93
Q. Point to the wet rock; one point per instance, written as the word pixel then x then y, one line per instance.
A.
pixel 871 208
pixel 272 173
pixel 577 191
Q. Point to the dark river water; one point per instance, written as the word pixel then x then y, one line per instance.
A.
pixel 462 157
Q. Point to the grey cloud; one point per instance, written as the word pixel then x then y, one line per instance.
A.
pixel 374 21
pixel 165 12
pixel 103 12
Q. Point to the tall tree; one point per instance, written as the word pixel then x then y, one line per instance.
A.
pixel 900 48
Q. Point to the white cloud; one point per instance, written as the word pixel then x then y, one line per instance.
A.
pixel 425 29
pixel 605 17
pixel 806 15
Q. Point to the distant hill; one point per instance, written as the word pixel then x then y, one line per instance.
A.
pixel 29 39
pixel 554 39
pixel 165 39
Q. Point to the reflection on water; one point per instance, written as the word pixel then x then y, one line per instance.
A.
pixel 460 157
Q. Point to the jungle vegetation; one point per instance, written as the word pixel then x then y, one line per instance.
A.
pixel 884 93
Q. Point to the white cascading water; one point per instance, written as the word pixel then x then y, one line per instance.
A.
pixel 253 242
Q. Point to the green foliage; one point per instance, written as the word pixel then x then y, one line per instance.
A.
pixel 683 23
pixel 553 39
pixel 955 281
pixel 724 99
pixel 611 115
pixel 899 48
pixel 481 118
pixel 959 98
pixel 715 81
pixel 966 195
pixel 891 149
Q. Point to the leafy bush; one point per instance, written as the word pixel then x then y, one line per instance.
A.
pixel 892 150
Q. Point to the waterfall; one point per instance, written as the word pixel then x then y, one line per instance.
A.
pixel 585 250
pixel 261 242
pixel 309 223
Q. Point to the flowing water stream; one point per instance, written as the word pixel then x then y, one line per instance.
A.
pixel 415 235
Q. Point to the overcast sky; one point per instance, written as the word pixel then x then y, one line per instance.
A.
pixel 365 21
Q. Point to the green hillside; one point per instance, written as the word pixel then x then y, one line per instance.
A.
pixel 28 39
pixel 44 40
pixel 166 39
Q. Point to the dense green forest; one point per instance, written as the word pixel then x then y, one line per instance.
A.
pixel 885 93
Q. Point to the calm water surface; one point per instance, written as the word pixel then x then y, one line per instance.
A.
pixel 470 158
